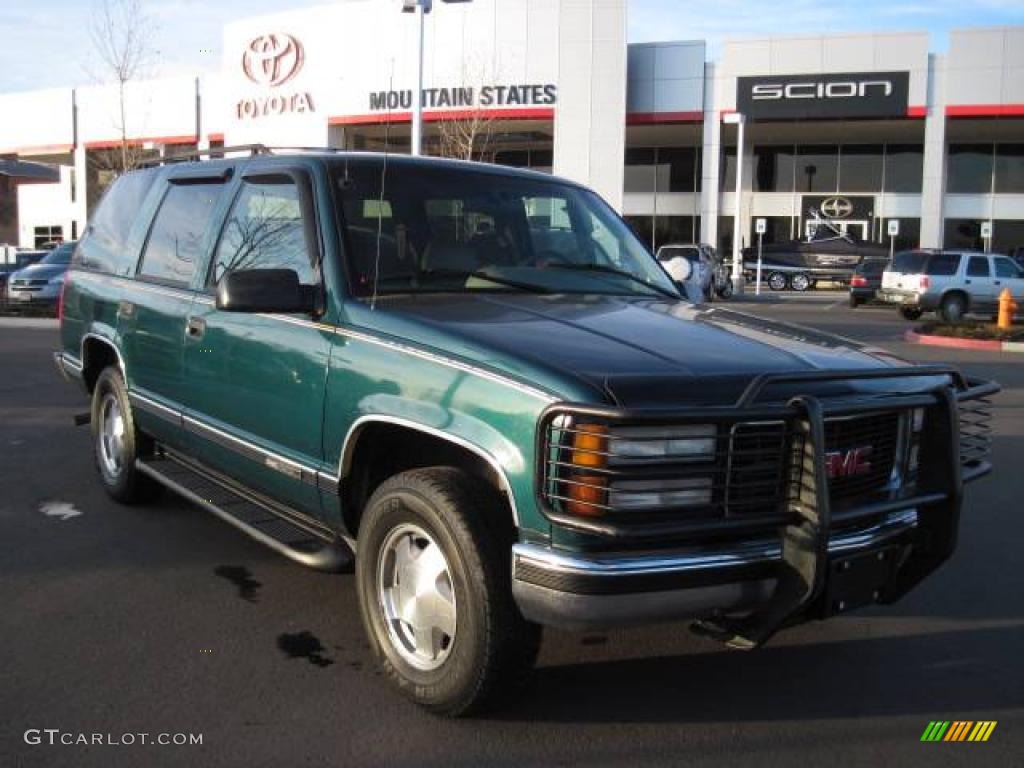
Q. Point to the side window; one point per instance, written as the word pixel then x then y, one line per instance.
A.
pixel 104 244
pixel 1006 268
pixel 943 264
pixel 265 231
pixel 978 267
pixel 608 246
pixel 174 248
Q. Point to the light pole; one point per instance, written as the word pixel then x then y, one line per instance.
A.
pixel 421 8
pixel 737 119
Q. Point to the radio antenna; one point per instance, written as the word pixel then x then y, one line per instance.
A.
pixel 383 181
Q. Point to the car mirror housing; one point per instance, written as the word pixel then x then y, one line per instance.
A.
pixel 263 290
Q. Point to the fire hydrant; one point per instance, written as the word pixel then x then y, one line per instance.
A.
pixel 1007 306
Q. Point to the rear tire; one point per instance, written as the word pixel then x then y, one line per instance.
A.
pixel 911 313
pixel 953 308
pixel 777 281
pixel 434 582
pixel 800 282
pixel 854 302
pixel 117 443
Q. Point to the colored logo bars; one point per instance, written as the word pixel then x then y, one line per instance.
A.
pixel 959 730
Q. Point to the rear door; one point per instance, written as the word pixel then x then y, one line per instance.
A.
pixel 1007 275
pixel 255 383
pixel 979 282
pixel 153 313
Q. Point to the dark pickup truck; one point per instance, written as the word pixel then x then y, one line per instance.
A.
pixel 382 363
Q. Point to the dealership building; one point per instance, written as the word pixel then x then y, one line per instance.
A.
pixel 865 129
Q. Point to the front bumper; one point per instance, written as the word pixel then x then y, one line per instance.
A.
pixel 816 563
pixel 581 592
pixel 46 295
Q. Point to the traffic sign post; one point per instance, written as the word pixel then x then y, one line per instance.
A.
pixel 986 235
pixel 894 230
pixel 760 226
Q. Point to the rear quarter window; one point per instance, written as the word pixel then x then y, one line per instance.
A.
pixel 943 264
pixel 909 262
pixel 104 247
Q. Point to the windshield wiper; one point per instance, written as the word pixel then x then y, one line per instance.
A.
pixel 484 275
pixel 613 271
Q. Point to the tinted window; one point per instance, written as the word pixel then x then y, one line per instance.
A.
pixel 909 262
pixel 943 264
pixel 1006 268
pixel 872 267
pixel 860 168
pixel 978 267
pixel 773 169
pixel 817 168
pixel 904 168
pixel 265 231
pixel 175 245
pixel 1010 168
pixel 969 168
pixel 104 246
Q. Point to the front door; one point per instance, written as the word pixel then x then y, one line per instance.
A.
pixel 256 382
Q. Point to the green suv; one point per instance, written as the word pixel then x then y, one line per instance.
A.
pixel 476 387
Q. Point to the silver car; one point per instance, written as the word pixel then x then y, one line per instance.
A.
pixel 40 283
pixel 951 283
pixel 702 263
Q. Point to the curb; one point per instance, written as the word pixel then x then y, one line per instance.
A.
pixel 990 345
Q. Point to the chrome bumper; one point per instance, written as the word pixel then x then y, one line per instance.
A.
pixel 577 591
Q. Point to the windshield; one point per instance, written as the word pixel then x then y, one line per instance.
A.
pixel 59 255
pixel 448 229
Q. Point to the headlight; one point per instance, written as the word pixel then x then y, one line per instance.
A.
pixel 591 479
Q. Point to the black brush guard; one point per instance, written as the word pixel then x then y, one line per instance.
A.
pixel 805 566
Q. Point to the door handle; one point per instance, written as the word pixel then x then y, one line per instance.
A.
pixel 967 282
pixel 195 328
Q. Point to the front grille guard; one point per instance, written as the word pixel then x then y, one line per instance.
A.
pixel 804 566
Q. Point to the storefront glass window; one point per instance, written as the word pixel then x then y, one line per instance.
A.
pixel 1010 168
pixel 727 170
pixel 909 237
pixel 817 168
pixel 969 168
pixel 860 168
pixel 773 169
pixel 904 167
pixel 778 229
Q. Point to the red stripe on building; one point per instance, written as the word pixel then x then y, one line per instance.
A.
pixel 917 111
pixel 41 149
pixel 985 110
pixel 526 113
pixel 663 118
pixel 138 142
pixel 215 137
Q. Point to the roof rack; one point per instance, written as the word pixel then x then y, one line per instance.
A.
pixel 198 154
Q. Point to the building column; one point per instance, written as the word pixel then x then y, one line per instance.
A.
pixel 590 117
pixel 80 207
pixel 933 181
pixel 710 198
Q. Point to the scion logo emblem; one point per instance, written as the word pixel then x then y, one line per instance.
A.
pixel 836 207
pixel 272 59
pixel 856 461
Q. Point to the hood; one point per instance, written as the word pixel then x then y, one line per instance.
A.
pixel 630 351
pixel 40 272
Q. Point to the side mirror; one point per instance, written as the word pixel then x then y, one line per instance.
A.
pixel 263 290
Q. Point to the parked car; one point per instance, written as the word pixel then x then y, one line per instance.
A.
pixel 1017 254
pixel 41 282
pixel 866 280
pixel 322 350
pixel 951 283
pixel 702 264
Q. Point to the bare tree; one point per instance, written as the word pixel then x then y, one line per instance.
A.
pixel 466 136
pixel 122 36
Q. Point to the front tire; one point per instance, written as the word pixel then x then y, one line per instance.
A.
pixel 435 594
pixel 117 443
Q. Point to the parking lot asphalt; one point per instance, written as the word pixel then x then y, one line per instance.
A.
pixel 162 619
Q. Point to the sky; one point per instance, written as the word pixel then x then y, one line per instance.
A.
pixel 45 43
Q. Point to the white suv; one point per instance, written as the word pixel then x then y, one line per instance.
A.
pixel 951 283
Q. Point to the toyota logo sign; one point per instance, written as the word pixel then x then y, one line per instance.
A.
pixel 836 207
pixel 272 59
